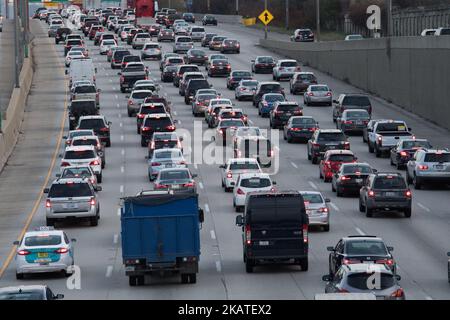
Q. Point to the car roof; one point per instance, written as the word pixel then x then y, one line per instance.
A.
pixel 40 232
pixel 344 152
pixel 312 192
pixel 80 148
pixel 330 131
pixel 92 117
pixel 23 288
pixel 242 160
pixel 367 268
pixel 254 175
pixel 142 91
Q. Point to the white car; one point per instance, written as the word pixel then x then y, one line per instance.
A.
pixel 352 37
pixel 285 68
pixel 442 32
pixel 83 155
pixel 72 55
pixel 140 39
pixel 106 45
pixel 250 182
pixel 44 250
pixel 235 167
pixel 428 32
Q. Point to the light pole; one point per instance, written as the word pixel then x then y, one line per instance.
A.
pixel 287 14
pixel 16 44
pixel 237 7
pixel 265 27
pixel 389 13
pixel 318 19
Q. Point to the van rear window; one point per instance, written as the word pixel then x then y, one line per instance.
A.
pixel 279 210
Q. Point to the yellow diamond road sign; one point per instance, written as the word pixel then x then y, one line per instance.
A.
pixel 266 17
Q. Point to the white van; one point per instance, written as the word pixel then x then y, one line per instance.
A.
pixel 197 33
pixel 81 69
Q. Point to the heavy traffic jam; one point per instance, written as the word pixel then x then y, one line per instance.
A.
pixel 172 66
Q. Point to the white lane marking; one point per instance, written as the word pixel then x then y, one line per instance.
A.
pixel 117 97
pixel 116 238
pixel 335 207
pixel 206 207
pixel 200 185
pixel 110 80
pixel 218 266
pixel 121 124
pixel 294 165
pixel 179 121
pixel 195 166
pixel 313 185
pixel 109 271
pixel 118 105
pixel 122 169
pixel 175 113
pixel 121 189
pixel 120 115
pixel 119 211
pixel 123 152
pixel 122 137
pixel 428 298
pixel 360 231
pixel 213 235
pixel 250 121
pixel 423 207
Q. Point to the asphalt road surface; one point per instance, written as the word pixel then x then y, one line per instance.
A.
pixel 420 243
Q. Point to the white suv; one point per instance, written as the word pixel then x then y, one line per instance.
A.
pixel 83 155
pixel 250 182
pixel 235 167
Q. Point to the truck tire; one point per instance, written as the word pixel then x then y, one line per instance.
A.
pixel 19 276
pixel 417 183
pixel 132 281
pixel 50 222
pixel 369 212
pixel 370 147
pixel 304 264
pixel 185 278
pixel 192 277
pixel 326 228
pixel 377 152
pixel 249 266
pixel 408 213
pixel 93 221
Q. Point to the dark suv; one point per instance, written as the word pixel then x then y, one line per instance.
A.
pixel 266 87
pixel 282 112
pixel 191 88
pixel 155 123
pixel 350 101
pixel 181 69
pixel 387 192
pixel 274 229
pixel 79 108
pixel 359 249
pixel 324 140
pixel 100 126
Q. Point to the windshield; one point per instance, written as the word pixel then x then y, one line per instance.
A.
pixel 131 59
pixel 342 158
pixel 389 182
pixel 356 101
pixel 175 60
pixel 158 122
pixel 198 30
pixel 287 108
pixel 153 109
pixel 141 95
pixel 357 169
pixel 437 157
pixel 109 42
pixel 274 98
pixel 391 126
pixel 361 280
pixel 92 124
pixel 306 77
pixel 231 123
pixel 85 89
pixel 331 137
pixel 168 154
pixel 265 60
pixel 205 97
pixel 303 121
pixel 23 295
pixel 43 240
pixel 151 46
pixel 319 89
pixel 312 198
pixel 249 132
pixel 358 115
pixel 238 74
pixel 189 69
pixel 184 40
pixel 244 166
pixel 255 183
pixel 288 64
pixel 197 52
pixel 84 142
pixel 79 155
pixel 175 175
pixel 76 172
pixel 214 102
pixel 252 84
pixel 365 248
pixel 416 144
pixel 271 87
pixel 136 67
pixel 70 190
pixel 78 133
pixel 219 62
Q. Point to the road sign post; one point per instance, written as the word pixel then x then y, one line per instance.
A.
pixel 266 17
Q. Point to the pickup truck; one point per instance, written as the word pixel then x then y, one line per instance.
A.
pixel 133 72
pixel 161 234
pixel 386 135
pixel 86 92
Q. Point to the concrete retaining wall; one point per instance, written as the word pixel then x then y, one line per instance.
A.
pixel 221 18
pixel 13 116
pixel 412 72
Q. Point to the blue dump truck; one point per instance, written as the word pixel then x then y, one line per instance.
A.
pixel 161 234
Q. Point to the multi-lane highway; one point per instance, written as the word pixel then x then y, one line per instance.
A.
pixel 420 243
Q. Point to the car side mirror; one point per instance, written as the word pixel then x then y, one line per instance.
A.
pixel 222 166
pixel 65 137
pixel 109 123
pixel 375 170
pixel 448 254
pixel 181 138
pixel 98 188
pixel 210 85
pixel 253 60
pixel 409 129
pixel 274 183
pixel 390 249
pixel 201 215
pixel 194 175
pixel 327 278
pixel 99 90
pixel 58 175
pixel 356 158
pixel 16 243
pixel 175 121
pixel 397 277
pixel 335 101
pixel 96 70
pixel 330 249
pixel 59 296
pixel 119 73
pixel 73 240
pixel 46 190
pixel 127 96
pixel 327 200
pixel 240 221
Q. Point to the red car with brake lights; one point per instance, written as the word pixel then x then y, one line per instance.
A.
pixel 332 162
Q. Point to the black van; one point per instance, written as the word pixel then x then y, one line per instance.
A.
pixel 274 229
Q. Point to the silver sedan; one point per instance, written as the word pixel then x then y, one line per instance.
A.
pixel 318 94
pixel 246 89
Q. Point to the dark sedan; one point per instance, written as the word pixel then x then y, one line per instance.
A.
pixel 236 76
pixel 219 67
pixel 350 178
pixel 300 128
pixel 168 73
pixel 209 20
pixel 207 38
pixel 195 56
pixel 263 64
pixel 405 150
pixel 189 17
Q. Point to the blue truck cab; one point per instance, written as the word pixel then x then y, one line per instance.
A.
pixel 161 233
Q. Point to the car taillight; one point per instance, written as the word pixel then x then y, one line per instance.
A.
pixel 347 122
pixel 408 194
pixel 65 164
pixel 229 175
pixel 328 164
pixel 156 164
pixel 399 293
pixel 371 194
pixel 144 129
pixel 94 163
pixel 305 233
pixel 350 261
pixel 380 139
pixel 345 178
pixel 403 154
pixel 160 186
pixel 323 210
pixel 23 252
pixel 240 191
pixel 92 202
pixel 316 145
pixel 329 94
pixel 423 167
pixel 92 180
pixel 189 185
pixel 311 94
pixel 48 204
pixel 389 262
pixel 295 129
pixel 141 116
pixel 61 250
pixel 248 235
pixel 342 290
pixel 182 162
pixel 347 145
pixel 130 102
pixel 298 69
pixel 171 127
pixel 104 129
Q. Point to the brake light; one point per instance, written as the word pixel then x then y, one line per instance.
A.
pixel 65 164
pixel 328 164
pixel 347 122
pixel 130 102
pixel 171 127
pixel 389 262
pixel 408 194
pixel 248 235
pixel 342 291
pixel 328 94
pixel 311 94
pixel 161 186
pixel 141 116
pixel 347 145
pixel 229 175
pixel 423 167
pixel 48 204
pixel 189 185
pixel 61 250
pixel 398 293
pixel 345 178
pixel 144 129
pixel 182 162
pixel 240 191
pixel 305 233
pixel 380 139
pixel 104 129
pixel 349 261
pixel 122 78
pixel 316 145
pixel 323 210
pixel 371 194
pixel 23 252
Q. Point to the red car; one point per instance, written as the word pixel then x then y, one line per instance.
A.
pixel 332 161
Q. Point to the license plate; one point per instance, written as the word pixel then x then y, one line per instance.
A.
pixel 71 206
pixel 176 186
pixel 359 122
pixel 288 114
pixel 439 167
pixel 42 255
pixel 169 165
pixel 308 212
pixel 359 180
pixel 390 194
pixel 331 147
pixel 368 262
pixel 264 243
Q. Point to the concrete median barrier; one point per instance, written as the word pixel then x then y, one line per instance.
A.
pixel 12 117
pixel 411 72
